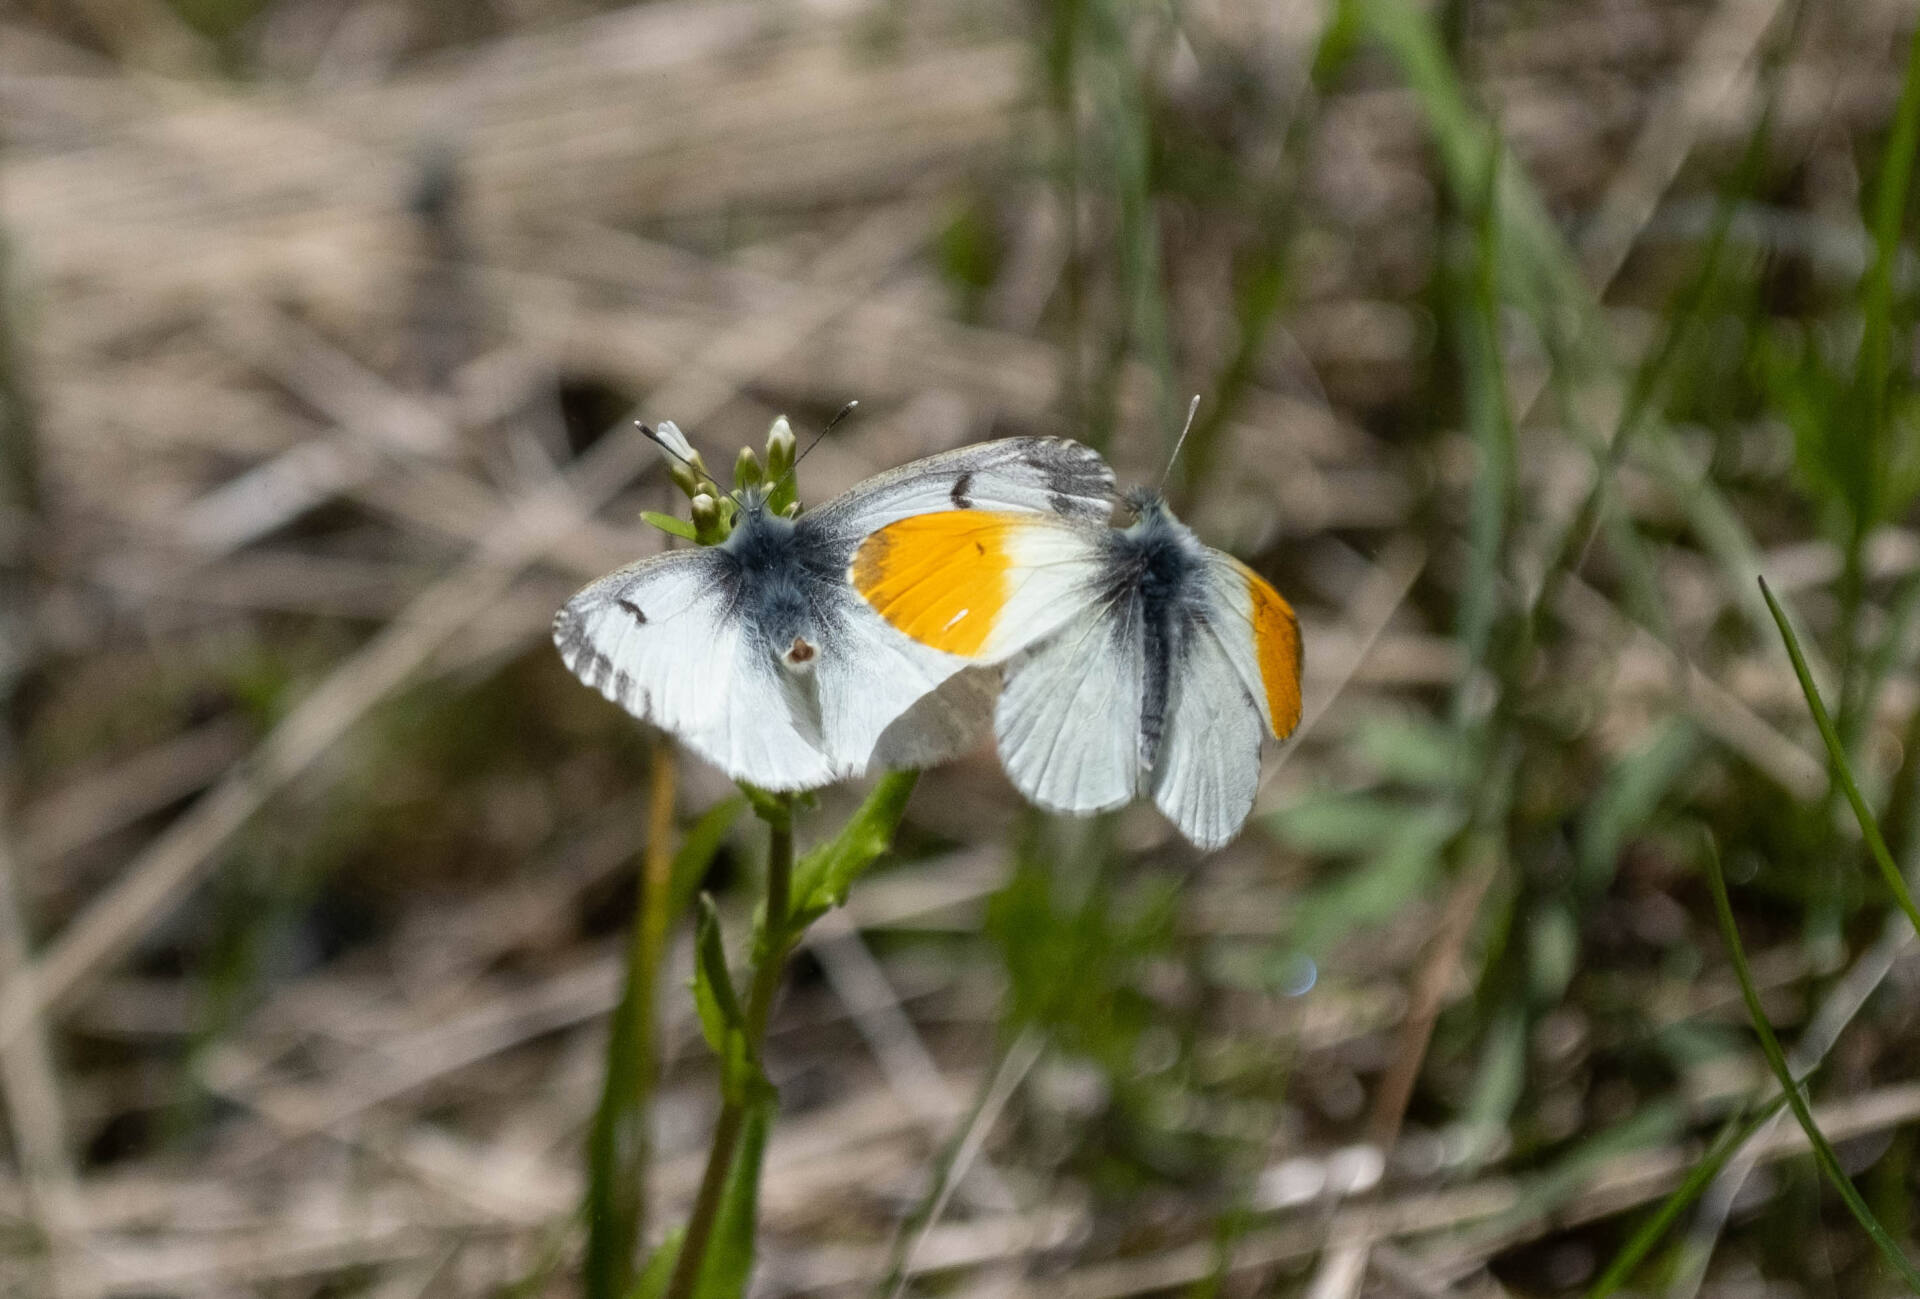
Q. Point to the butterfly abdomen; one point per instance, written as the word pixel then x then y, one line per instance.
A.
pixel 1152 567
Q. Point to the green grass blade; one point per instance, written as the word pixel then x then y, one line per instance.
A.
pixel 653 1278
pixel 1491 426
pixel 617 1143
pixel 1837 754
pixel 712 981
pixel 1543 279
pixel 1874 375
pixel 1736 1132
pixel 1409 35
pixel 1823 1154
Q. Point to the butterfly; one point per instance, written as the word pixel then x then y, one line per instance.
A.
pixel 1136 659
pixel 757 654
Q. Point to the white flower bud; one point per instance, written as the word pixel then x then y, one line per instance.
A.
pixel 780 448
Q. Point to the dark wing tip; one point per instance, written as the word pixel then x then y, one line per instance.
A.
pixel 1078 479
pixel 569 632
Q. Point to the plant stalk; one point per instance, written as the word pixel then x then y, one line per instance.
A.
pixel 620 1144
pixel 771 945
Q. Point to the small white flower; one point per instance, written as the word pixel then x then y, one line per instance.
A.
pixel 669 436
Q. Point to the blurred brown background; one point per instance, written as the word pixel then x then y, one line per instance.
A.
pixel 325 322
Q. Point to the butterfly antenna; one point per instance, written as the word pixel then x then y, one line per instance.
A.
pixel 1181 441
pixel 647 431
pixel 832 424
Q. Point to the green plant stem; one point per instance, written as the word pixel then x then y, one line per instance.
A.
pixel 771 949
pixel 772 942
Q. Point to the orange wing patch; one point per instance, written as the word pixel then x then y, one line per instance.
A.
pixel 940 578
pixel 1276 642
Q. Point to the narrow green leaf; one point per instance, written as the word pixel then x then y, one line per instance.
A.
pixel 1496 470
pixel 729 1261
pixel 713 992
pixel 653 1278
pixel 1874 374
pixel 823 876
pixel 1823 1154
pixel 670 525
pixel 1734 1134
pixel 1837 754
pixel 1498 1080
pixel 722 1021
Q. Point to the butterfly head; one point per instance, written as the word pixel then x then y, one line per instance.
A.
pixel 1151 517
pixel 1145 503
pixel 762 537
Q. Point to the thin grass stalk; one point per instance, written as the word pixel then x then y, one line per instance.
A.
pixel 1062 77
pixel 1903 607
pixel 770 949
pixel 1842 770
pixel 1141 273
pixel 1477 326
pixel 1823 1154
pixel 1688 310
pixel 1265 281
pixel 1873 376
pixel 620 1149
pixel 1733 1135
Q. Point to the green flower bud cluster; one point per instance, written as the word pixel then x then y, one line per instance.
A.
pixel 713 510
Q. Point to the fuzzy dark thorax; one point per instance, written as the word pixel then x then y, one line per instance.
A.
pixel 778 575
pixel 1151 570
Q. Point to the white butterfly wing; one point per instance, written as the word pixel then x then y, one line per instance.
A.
pixel 1207 769
pixel 643 637
pixel 662 638
pixel 1031 475
pixel 1254 627
pixel 943 723
pixel 980 584
pixel 1025 590
pixel 873 682
pixel 658 639
pixel 1068 721
pixel 767 732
